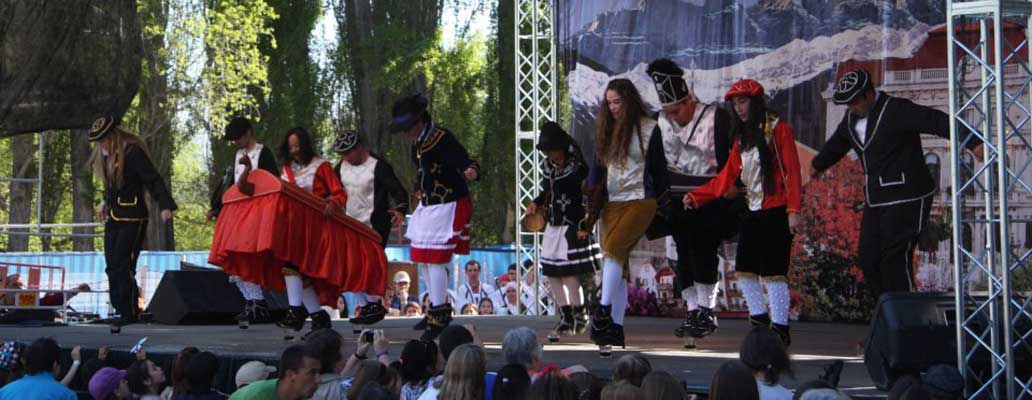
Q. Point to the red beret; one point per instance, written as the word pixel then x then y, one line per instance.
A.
pixel 744 87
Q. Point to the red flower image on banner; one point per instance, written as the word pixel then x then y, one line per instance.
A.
pixel 826 281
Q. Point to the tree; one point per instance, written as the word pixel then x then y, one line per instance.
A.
pixel 82 188
pixel 56 152
pixel 384 46
pixel 23 166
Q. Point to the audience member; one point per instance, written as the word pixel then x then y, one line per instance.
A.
pixel 368 372
pixel 298 378
pixel 253 371
pixel 463 376
pixel 375 391
pixel 764 353
pixel 179 384
pixel 660 385
pixel 589 387
pixel 632 368
pixel 486 307
pixel 943 382
pixel 552 385
pixel 109 384
pixel 824 394
pixel 511 383
pixel 41 364
pixel 622 390
pixel 327 344
pixel 520 346
pixel 146 380
pixel 418 365
pixel 200 375
pixel 733 381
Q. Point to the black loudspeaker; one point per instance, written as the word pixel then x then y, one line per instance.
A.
pixel 913 331
pixel 194 297
pixel 909 333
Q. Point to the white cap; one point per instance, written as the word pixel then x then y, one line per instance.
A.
pixel 253 371
pixel 402 276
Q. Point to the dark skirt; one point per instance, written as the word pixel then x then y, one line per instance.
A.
pixel 764 243
pixel 581 256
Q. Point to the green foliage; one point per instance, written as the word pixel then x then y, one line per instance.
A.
pixel 193 231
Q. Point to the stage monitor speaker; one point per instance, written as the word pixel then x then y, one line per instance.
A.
pixel 196 297
pixel 909 333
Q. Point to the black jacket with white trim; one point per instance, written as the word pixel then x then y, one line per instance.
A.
pixel 891 152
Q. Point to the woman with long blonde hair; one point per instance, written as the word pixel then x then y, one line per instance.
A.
pixel 464 374
pixel 122 162
pixel 628 176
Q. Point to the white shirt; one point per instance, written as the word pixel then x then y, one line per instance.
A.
pixel 359 183
pixel 467 296
pixel 626 180
pixel 861 129
pixel 253 154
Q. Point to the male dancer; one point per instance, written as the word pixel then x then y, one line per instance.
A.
pixel 439 228
pixel 696 140
pixel 249 154
pixel 371 186
pixel 885 132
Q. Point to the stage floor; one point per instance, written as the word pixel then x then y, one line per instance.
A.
pixel 814 344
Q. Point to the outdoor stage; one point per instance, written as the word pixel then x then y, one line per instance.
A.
pixel 814 345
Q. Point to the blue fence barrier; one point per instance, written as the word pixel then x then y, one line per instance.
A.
pixel 88 267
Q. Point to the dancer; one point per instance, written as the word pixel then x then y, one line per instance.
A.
pixel 566 251
pixel 249 154
pixel 628 176
pixel 764 158
pixel 126 169
pixel 885 132
pixel 439 227
pixel 303 167
pixel 696 142
pixel 371 186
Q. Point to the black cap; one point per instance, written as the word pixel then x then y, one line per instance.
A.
pixel 453 336
pixel 101 127
pixel 553 137
pixel 236 128
pixel 851 85
pixel 669 80
pixel 346 140
pixel 407 111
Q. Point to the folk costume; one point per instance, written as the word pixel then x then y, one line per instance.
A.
pixel 694 154
pixel 439 227
pixel 126 211
pixel 564 255
pixel 764 238
pixel 371 187
pixel 257 156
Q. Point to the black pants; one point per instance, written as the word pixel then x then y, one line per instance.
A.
pixel 122 243
pixel 888 235
pixel 698 234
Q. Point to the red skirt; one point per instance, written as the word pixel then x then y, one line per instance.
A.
pixel 255 237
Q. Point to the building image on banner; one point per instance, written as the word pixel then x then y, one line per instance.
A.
pixel 796 50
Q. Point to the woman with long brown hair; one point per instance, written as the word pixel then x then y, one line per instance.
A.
pixel 464 374
pixel 124 165
pixel 628 177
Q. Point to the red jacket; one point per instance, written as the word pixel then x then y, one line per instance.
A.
pixel 325 184
pixel 787 182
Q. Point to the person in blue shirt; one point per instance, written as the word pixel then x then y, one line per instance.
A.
pixel 41 363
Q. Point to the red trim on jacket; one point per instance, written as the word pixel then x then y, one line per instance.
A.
pixel 787 181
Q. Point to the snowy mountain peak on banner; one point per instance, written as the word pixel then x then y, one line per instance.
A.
pixel 716 34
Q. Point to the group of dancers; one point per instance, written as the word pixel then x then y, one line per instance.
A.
pixel 696 172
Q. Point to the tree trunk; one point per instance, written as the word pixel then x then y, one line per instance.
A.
pixel 371 32
pixel 55 156
pixel 23 149
pixel 82 189
pixel 155 118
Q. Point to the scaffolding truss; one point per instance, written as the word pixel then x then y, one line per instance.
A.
pixel 536 88
pixel 993 310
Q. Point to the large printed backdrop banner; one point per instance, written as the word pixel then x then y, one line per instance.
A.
pixel 796 49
